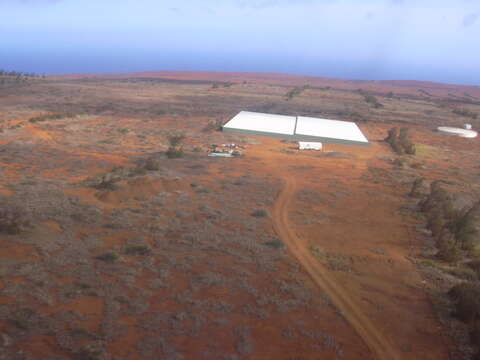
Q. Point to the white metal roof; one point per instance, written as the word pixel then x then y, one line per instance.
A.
pixel 332 129
pixel 299 128
pixel 277 124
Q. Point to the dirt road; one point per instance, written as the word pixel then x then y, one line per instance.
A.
pixel 377 343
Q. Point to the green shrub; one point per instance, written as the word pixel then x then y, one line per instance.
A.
pixel 174 152
pixel 464 273
pixel 436 221
pixel 87 353
pixel 259 213
pixel 417 188
pixel 138 250
pixel 152 164
pixel 401 143
pixel 370 99
pixel 55 116
pixel 296 91
pixel 175 139
pixel 410 148
pixel 12 219
pixel 22 319
pixel 475 266
pixel 213 125
pixel 106 183
pixel 475 338
pixel 108 257
pixel 463 225
pixel 465 112
pixel 448 249
pixel 466 297
pixel 276 244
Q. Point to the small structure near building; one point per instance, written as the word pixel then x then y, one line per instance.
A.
pixel 304 145
pixel 216 154
pixel 225 150
pixel 468 126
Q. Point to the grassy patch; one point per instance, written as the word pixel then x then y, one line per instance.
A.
pixel 427 151
pixel 335 262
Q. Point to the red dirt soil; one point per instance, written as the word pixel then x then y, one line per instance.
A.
pixel 406 87
pixel 338 213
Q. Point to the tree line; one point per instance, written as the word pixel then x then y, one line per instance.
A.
pixel 14 73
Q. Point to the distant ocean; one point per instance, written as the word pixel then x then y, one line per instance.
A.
pixel 125 61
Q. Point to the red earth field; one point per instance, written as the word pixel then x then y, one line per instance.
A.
pixel 124 253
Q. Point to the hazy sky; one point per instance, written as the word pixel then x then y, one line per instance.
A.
pixel 364 39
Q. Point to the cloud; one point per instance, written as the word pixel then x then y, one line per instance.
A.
pixel 470 19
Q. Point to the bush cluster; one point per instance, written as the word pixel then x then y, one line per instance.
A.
pixel 453 229
pixel 175 150
pixel 370 99
pixel 213 125
pixel 12 220
pixel 417 187
pixel 466 300
pixel 465 112
pixel 108 257
pixel 55 116
pixel 152 164
pixel 16 73
pixel 259 213
pixel 139 250
pixel 296 91
pixel 400 142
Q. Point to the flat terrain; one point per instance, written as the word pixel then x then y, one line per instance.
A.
pixel 127 254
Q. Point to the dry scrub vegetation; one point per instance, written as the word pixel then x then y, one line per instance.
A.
pixel 120 239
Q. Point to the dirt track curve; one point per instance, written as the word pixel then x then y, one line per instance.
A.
pixel 373 338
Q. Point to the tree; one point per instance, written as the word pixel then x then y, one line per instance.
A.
pixel 373 100
pixel 401 143
pixel 417 189
pixel 448 249
pixel 392 135
pixel 466 297
pixel 175 150
pixel 175 139
pixel 463 225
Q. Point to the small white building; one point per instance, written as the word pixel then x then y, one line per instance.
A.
pixel 303 145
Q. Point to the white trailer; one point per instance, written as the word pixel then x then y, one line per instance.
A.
pixel 303 145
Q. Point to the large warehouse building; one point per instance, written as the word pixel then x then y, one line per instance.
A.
pixel 296 128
